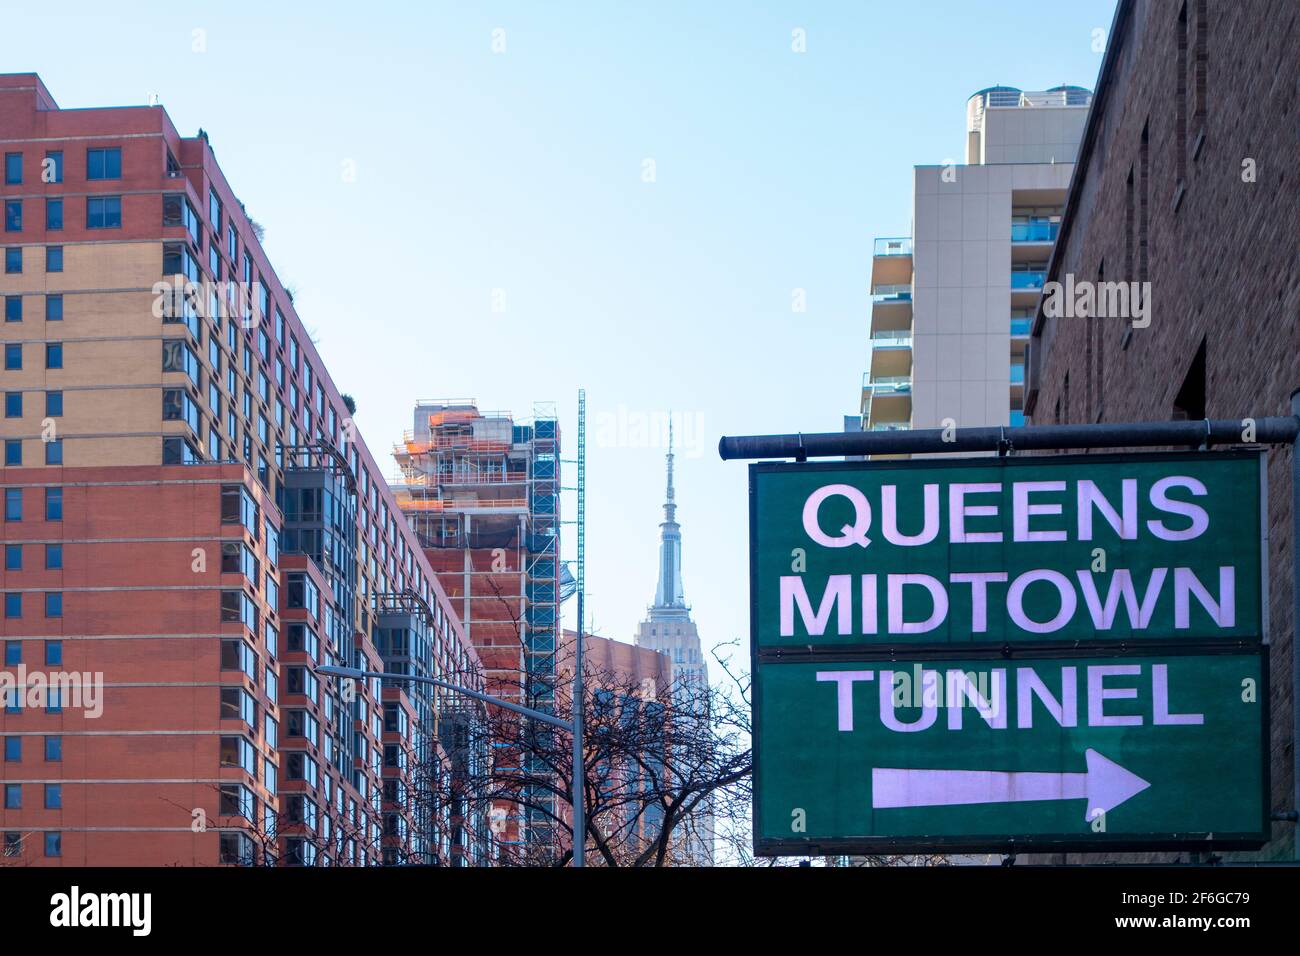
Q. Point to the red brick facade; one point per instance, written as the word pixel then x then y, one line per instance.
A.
pixel 1187 179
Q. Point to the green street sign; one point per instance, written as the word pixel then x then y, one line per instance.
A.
pixel 1083 754
pixel 1056 654
pixel 1029 550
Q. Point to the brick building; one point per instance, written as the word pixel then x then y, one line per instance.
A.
pixel 1186 179
pixel 191 515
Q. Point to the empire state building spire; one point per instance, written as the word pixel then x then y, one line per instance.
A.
pixel 668 595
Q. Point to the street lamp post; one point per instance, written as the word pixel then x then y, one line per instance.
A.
pixel 573 726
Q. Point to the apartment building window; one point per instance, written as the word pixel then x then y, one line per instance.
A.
pixel 54 308
pixel 13 404
pixel 177 406
pixel 236 655
pixel 179 451
pixel 13 357
pixel 236 800
pixel 13 308
pixel 214 211
pixel 54 404
pixel 272 636
pixel 238 704
pixel 13 749
pixel 177 211
pixel 13 169
pixel 13 649
pixel 104 163
pixel 54 749
pixel 54 214
pixel 303 593
pixel 236 558
pixel 52 167
pixel 53 796
pixel 232 244
pixel 14 260
pixel 178 261
pixel 13 796
pixel 301 638
pixel 238 507
pixel 236 606
pixel 13 215
pixel 214 261
pixel 53 258
pixel 13 452
pixel 299 766
pixel 104 212
pixel 53 557
pixel 299 680
pixel 13 504
pixel 54 452
pixel 54 355
pixel 13 844
pixel 13 557
pixel 53 504
pixel 53 844
pixel 53 604
pixel 238 752
pixel 178 357
pixel 53 652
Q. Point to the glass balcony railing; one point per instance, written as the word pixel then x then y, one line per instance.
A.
pixel 1034 231
pixel 902 246
pixel 1017 418
pixel 898 339
pixel 898 292
pixel 1018 374
pixel 1028 280
pixel 1020 327
pixel 887 383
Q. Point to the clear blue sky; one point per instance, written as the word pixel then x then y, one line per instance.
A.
pixel 523 171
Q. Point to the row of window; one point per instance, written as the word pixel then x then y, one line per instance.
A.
pixel 14 356
pixel 14 653
pixel 53 404
pixel 102 212
pixel 14 259
pixel 14 604
pixel 14 504
pixel 14 844
pixel 101 163
pixel 14 749
pixel 14 452
pixel 53 796
pixel 14 308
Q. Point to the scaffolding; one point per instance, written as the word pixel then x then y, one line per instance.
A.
pixel 482 493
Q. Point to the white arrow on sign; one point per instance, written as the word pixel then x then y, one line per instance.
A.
pixel 1105 786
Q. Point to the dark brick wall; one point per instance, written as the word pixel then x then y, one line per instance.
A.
pixel 1222 263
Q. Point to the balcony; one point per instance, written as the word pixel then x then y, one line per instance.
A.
pixel 1034 231
pixel 1017 418
pixel 891 339
pixel 1018 374
pixel 1020 327
pixel 897 292
pixel 887 384
pixel 1028 280
pixel 901 246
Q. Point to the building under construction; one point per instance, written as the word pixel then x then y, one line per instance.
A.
pixel 482 493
